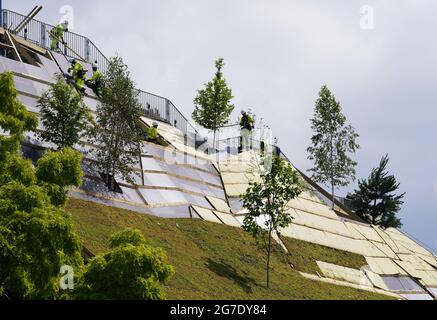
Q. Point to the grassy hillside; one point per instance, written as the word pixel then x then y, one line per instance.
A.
pixel 304 255
pixel 215 261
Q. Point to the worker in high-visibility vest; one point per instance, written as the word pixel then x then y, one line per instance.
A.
pixel 57 35
pixel 79 73
pixel 246 121
pixel 95 83
pixel 247 125
pixel 152 133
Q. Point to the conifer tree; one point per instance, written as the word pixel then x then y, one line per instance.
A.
pixel 375 200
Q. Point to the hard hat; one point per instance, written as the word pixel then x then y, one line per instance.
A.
pixel 243 112
pixel 155 124
pixel 94 67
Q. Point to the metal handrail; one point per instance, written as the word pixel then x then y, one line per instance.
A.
pixel 37 32
pixel 235 142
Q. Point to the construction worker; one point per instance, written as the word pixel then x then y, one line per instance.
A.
pixel 95 83
pixel 79 73
pixel 57 34
pixel 247 125
pixel 152 133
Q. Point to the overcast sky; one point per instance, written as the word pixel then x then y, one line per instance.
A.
pixel 278 53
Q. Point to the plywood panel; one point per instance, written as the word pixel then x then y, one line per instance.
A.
pixel 384 266
pixel 227 219
pixel 219 204
pixel 344 274
pixel 206 214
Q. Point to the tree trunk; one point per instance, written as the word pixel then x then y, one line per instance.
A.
pixel 141 163
pixel 268 258
pixel 374 216
pixel 113 178
pixel 333 194
pixel 213 143
pixel 107 175
pixel 332 172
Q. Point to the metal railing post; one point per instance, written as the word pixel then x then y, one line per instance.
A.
pixel 1 14
pixel 167 110
pixel 87 49
pixel 43 35
pixel 5 19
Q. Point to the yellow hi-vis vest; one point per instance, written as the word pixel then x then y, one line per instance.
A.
pixel 152 133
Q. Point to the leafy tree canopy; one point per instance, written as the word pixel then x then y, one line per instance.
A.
pixel 116 132
pixel 65 117
pixel 57 171
pixel 14 118
pixel 36 235
pixel 213 103
pixel 130 270
pixel 332 143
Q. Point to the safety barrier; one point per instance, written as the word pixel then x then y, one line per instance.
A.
pixel 37 32
pixel 233 145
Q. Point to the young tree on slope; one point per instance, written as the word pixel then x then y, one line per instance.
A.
pixel 64 115
pixel 332 143
pixel 116 133
pixel 375 200
pixel 213 103
pixel 268 198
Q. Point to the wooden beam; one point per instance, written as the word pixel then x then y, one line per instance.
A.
pixel 24 53
pixel 8 36
pixel 29 45
pixel 4 45
pixel 27 19
pixel 78 55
